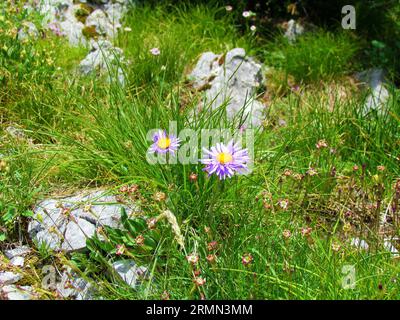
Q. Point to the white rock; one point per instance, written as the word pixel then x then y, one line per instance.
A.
pixel 53 9
pixel 106 17
pixel 67 230
pixel 73 31
pixel 205 67
pixel 98 18
pixel 130 272
pixel 72 27
pixel 359 243
pixel 15 132
pixel 232 80
pixel 379 95
pixel 76 234
pixel 294 29
pixel 104 59
pixel 12 292
pixel 8 277
pixel 72 286
pixel 18 261
pixel 17 252
pixel 115 12
pixel 388 245
pixel 28 31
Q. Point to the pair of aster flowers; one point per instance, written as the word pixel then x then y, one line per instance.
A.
pixel 224 160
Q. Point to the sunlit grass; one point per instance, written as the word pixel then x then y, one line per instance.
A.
pixel 87 133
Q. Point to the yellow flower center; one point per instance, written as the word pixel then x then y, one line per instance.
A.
pixel 164 143
pixel 224 157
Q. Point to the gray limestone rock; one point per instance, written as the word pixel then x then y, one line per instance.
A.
pixel 72 286
pixel 66 223
pixel 104 58
pixel 293 30
pixel 8 277
pixel 378 95
pixel 17 252
pixel 28 31
pixel 130 272
pixel 13 292
pixel 16 132
pixel 232 79
pixel 18 261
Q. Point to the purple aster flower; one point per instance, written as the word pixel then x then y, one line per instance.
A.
pixel 225 160
pixel 163 143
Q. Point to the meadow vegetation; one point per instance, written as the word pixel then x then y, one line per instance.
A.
pixel 324 172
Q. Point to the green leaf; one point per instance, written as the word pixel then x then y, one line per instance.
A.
pixel 27 214
pixel 9 215
pixel 149 242
pixel 378 44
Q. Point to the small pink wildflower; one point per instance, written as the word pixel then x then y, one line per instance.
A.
pixel 192 258
pixel 120 249
pixel 321 144
pixel 139 240
pixel 199 281
pixel 286 234
pixel 247 258
pixel 213 245
pixel 306 231
pixel 283 203
pixel 335 247
pixel 151 223
pixel 211 258
pixel 312 172
pixel 287 172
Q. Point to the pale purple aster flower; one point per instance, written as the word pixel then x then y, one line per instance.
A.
pixel 246 14
pixel 155 51
pixel 225 160
pixel 163 143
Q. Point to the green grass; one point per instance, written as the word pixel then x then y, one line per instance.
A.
pixel 87 133
pixel 316 56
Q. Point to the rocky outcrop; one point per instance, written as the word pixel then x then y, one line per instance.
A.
pixel 28 31
pixel 293 30
pixel 130 272
pixel 65 224
pixel 81 21
pixel 93 24
pixel 233 79
pixel 10 290
pixel 14 292
pixel 8 277
pixel 378 95
pixel 73 287
pixel 104 59
pixel 17 255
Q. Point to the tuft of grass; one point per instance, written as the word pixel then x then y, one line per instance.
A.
pixel 314 57
pixel 82 132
